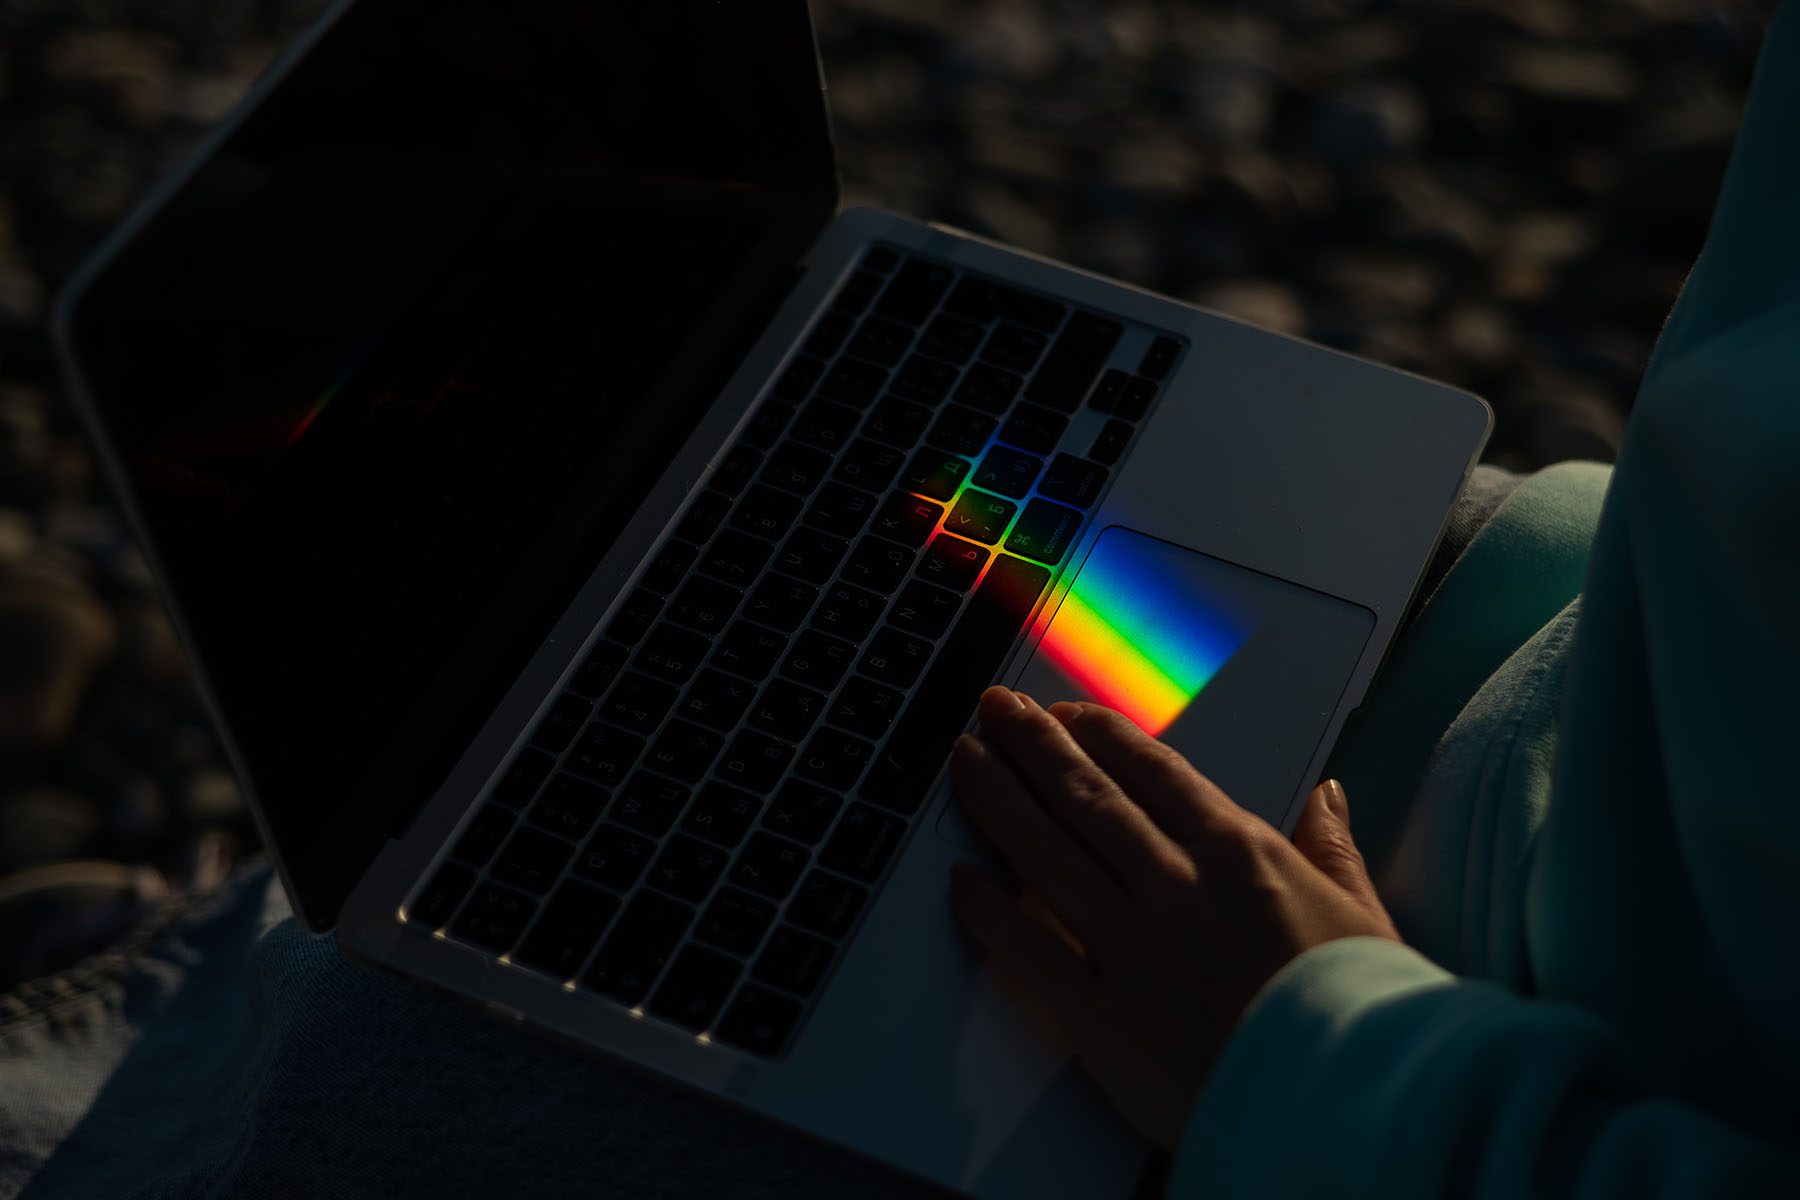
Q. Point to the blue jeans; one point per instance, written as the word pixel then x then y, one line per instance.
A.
pixel 225 1052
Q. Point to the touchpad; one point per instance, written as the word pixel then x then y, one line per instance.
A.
pixel 1238 670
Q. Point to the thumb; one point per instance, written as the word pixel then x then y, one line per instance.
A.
pixel 1323 836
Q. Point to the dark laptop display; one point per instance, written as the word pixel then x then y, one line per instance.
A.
pixel 392 370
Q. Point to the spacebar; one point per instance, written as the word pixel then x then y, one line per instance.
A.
pixel 966 663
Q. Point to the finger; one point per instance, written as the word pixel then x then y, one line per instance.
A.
pixel 1022 952
pixel 1323 836
pixel 1043 854
pixel 1073 789
pixel 1182 802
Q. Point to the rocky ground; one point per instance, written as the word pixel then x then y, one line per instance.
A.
pixel 1501 193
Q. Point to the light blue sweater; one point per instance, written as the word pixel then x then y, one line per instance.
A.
pixel 1597 862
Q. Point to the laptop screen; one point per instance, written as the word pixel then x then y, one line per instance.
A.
pixel 389 373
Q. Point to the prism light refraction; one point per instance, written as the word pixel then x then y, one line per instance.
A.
pixel 1134 637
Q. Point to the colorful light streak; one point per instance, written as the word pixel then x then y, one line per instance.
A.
pixel 1133 636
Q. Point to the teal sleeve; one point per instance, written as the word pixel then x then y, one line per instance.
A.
pixel 1363 1070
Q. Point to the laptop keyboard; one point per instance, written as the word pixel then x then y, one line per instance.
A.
pixel 701 818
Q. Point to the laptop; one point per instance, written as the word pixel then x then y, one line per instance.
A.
pixel 591 541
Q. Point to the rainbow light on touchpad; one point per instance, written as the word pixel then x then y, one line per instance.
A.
pixel 1134 634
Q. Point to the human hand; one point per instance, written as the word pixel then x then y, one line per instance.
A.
pixel 1169 907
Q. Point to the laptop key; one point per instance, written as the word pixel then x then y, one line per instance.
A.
pixel 935 474
pixel 980 516
pixel 1045 531
pixel 853 381
pixel 803 811
pixel 988 388
pixel 818 660
pixel 527 772
pixel 794 961
pixel 735 558
pixel 881 341
pixel 736 470
pixel 1033 428
pixel 1007 471
pixel 787 709
pixel 898 422
pixel 722 814
pixel 688 868
pixel 811 555
pixel 614 858
pixel 879 564
pixel 965 664
pixel 1109 391
pixel 825 425
pixel 826 904
pixel 759 1020
pixel 951 339
pixel 767 513
pixel 880 258
pixel 913 292
pixel 769 865
pixel 1140 394
pixel 670 566
pixel 841 509
pixel 849 611
pixel 569 807
pixel 638 702
pixel 1160 357
pixel 494 918
pixel 735 921
pixel 685 750
pixel 695 988
pixel 749 650
pixel 985 301
pixel 835 758
pixel 923 379
pixel 865 707
pixel 567 929
pixel 766 424
pixel 924 609
pixel 796 468
pixel 952 562
pixel 1073 480
pixel 532 860
pixel 482 835
pixel 863 842
pixel 704 604
pixel 829 334
pixel 755 761
pixel 634 616
pixel 895 658
pixel 648 804
pixel 604 754
pixel 672 653
pixel 907 519
pixel 856 293
pixel 798 379
pixel 1014 348
pixel 1111 443
pixel 634 953
pixel 701 520
pixel 717 699
pixel 1075 359
pixel 781 602
pixel 870 465
pixel 562 722
pixel 601 668
pixel 962 430
pixel 439 898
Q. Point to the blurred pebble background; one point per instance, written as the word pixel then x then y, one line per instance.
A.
pixel 1505 194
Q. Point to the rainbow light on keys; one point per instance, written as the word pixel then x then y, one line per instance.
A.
pixel 1134 638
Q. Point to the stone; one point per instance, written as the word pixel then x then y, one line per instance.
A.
pixel 54 633
pixel 45 824
pixel 1368 120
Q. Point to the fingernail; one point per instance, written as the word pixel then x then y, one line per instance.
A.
pixel 1065 711
pixel 1000 700
pixel 1335 800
